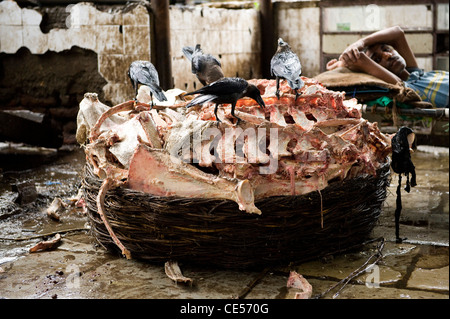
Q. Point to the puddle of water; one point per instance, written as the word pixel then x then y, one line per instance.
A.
pixel 61 178
pixel 7 259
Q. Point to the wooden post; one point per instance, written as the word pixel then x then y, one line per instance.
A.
pixel 160 43
pixel 267 36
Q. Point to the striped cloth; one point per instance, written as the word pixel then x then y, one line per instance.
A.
pixel 431 86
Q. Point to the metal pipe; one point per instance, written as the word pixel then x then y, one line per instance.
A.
pixel 433 113
pixel 160 46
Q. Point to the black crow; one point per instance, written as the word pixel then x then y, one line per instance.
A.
pixel 206 67
pixel 143 72
pixel 226 90
pixel 285 64
pixel 402 164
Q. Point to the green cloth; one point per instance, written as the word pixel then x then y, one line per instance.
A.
pixel 387 102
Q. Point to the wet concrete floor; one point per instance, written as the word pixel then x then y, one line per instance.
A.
pixel 418 268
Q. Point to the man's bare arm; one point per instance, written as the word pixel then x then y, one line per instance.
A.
pixel 393 36
pixel 367 65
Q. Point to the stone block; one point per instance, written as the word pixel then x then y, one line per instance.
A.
pixel 183 77
pixel 105 18
pixel 10 13
pixel 177 42
pixel 193 18
pixel 420 43
pixel 294 16
pixel 34 39
pixel 83 14
pixel 250 20
pixel 337 43
pixel 281 16
pixel 138 16
pixel 118 92
pixel 136 40
pixel 256 41
pixel 430 279
pixel 442 16
pixel 113 67
pixel 59 40
pixel 219 19
pixel 11 38
pixel 433 258
pixel 31 17
pixel 225 41
pixel 229 64
pixel 84 36
pixel 414 16
pixel 129 58
pixel 109 39
pixel 176 18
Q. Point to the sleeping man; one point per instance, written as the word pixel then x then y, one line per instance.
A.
pixel 387 55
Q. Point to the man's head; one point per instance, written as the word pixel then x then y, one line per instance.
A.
pixel 387 57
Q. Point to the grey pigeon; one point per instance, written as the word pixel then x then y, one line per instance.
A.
pixel 206 67
pixel 285 64
pixel 143 72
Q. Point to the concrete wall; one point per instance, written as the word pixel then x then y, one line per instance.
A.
pixel 298 24
pixel 370 18
pixel 121 34
pixel 118 38
pixel 232 35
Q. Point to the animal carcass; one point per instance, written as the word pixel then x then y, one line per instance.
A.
pixel 291 147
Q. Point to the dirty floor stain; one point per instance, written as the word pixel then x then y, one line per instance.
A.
pixel 78 268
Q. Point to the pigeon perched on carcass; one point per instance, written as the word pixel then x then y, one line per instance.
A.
pixel 143 72
pixel 206 67
pixel 285 64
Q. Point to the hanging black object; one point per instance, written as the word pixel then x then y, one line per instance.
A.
pixel 402 164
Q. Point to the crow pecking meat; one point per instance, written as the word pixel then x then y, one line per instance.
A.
pixel 226 90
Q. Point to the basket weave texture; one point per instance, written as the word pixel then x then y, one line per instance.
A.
pixel 215 232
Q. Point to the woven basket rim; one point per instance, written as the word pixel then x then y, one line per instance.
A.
pixel 215 232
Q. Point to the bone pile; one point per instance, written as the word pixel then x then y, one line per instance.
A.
pixel 292 147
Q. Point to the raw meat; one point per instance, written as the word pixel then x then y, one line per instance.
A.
pixel 291 147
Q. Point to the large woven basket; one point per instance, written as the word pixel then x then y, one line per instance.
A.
pixel 216 232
